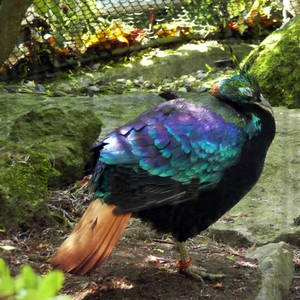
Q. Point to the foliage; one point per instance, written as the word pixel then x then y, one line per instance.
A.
pixel 116 35
pixel 237 14
pixel 30 286
pixel 173 29
pixel 70 19
pixel 217 12
pixel 81 21
pixel 59 33
pixel 65 29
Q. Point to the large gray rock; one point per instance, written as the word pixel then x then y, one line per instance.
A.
pixel 42 145
pixel 113 111
pixel 65 128
pixel 65 135
pixel 45 141
pixel 276 265
pixel 268 212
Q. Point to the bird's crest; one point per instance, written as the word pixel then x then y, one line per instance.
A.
pixel 241 87
pixel 244 71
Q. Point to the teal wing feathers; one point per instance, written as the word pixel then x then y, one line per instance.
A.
pixel 168 150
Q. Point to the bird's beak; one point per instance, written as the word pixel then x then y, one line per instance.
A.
pixel 264 104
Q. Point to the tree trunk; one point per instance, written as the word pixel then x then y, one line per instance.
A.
pixel 11 15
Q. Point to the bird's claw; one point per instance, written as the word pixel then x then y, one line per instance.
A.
pixel 200 273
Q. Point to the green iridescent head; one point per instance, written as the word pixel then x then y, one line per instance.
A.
pixel 241 89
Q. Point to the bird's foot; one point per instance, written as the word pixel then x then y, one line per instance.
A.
pixel 200 273
pixel 186 266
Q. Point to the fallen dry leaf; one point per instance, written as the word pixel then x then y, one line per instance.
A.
pixel 217 285
pixel 7 247
pixel 84 181
pixel 155 260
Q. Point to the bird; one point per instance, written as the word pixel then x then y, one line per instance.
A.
pixel 179 166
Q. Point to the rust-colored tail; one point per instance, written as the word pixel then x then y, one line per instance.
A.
pixel 92 239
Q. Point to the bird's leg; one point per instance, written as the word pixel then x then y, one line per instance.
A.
pixel 186 266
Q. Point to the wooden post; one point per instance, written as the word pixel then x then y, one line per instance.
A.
pixel 11 15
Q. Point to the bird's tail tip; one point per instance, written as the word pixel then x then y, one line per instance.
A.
pixel 92 239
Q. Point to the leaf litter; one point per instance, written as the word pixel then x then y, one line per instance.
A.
pixel 144 265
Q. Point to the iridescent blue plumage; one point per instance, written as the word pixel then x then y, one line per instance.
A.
pixel 182 158
pixel 179 140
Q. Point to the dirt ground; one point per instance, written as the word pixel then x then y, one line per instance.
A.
pixel 144 265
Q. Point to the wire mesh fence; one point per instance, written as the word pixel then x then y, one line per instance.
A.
pixel 57 34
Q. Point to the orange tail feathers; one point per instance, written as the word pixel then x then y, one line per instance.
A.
pixel 92 239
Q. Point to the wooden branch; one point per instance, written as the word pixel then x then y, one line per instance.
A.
pixel 11 15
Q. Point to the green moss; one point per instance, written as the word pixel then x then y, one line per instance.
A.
pixel 68 159
pixel 23 186
pixel 56 132
pixel 276 65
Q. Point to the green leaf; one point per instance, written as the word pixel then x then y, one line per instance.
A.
pixel 50 285
pixel 29 286
pixel 27 295
pixel 230 257
pixel 4 271
pixel 72 4
pixel 40 7
pixel 55 8
pixel 30 279
pixel 7 285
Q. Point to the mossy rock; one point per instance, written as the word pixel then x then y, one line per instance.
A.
pixel 64 134
pixel 23 186
pixel 276 65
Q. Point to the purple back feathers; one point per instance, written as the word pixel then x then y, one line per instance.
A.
pixel 179 140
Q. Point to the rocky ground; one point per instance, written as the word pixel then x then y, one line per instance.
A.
pixel 144 266
pixel 144 263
